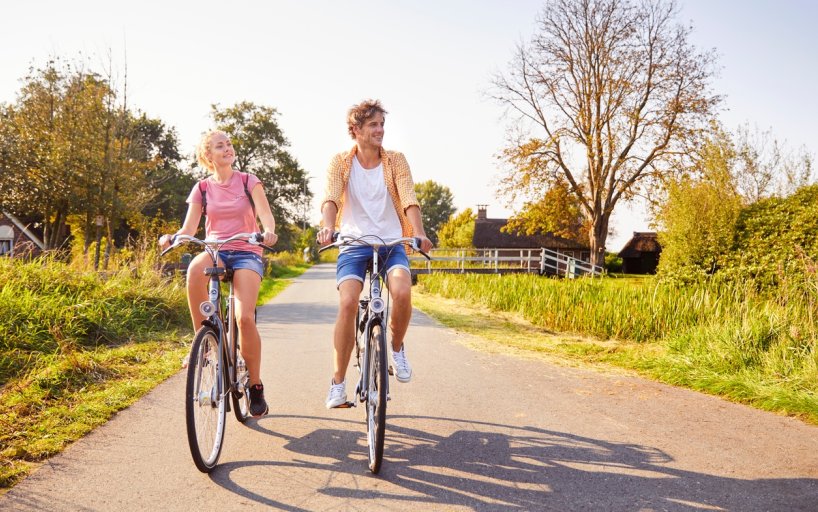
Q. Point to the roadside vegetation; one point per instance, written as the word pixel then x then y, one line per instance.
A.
pixel 727 340
pixel 76 346
pixel 737 318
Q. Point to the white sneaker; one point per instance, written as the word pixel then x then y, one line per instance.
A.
pixel 337 394
pixel 403 370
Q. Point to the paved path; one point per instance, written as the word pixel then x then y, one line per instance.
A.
pixel 472 431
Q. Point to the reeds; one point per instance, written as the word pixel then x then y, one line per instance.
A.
pixel 718 327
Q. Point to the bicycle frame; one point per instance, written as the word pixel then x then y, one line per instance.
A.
pixel 213 309
pixel 374 311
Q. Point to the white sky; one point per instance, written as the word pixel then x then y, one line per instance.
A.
pixel 428 61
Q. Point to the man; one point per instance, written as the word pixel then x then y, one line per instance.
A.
pixel 370 192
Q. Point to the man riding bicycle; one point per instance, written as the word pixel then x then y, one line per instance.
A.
pixel 370 192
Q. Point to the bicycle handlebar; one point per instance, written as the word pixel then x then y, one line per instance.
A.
pixel 213 243
pixel 339 240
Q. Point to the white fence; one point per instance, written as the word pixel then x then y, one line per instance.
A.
pixel 500 261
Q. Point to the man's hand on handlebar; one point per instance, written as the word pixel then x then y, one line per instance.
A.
pixel 324 236
pixel 425 244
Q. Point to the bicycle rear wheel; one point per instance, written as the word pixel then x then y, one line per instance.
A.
pixel 204 401
pixel 376 397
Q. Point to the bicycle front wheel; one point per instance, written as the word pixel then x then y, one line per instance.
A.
pixel 376 396
pixel 204 401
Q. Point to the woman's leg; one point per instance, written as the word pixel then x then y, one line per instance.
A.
pixel 197 287
pixel 246 284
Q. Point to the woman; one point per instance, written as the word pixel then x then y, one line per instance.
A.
pixel 228 211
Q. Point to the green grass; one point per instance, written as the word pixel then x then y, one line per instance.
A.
pixel 76 347
pixel 727 340
pixel 281 269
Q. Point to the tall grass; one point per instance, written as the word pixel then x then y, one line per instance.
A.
pixel 727 338
pixel 75 347
pixel 50 309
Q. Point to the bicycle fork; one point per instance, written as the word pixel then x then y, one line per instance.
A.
pixel 372 313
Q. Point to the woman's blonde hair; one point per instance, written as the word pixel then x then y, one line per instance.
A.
pixel 204 147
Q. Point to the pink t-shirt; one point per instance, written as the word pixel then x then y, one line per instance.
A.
pixel 228 210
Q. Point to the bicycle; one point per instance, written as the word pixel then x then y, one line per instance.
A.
pixel 215 366
pixel 370 343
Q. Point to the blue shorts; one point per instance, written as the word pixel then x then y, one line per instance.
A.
pixel 354 261
pixel 242 259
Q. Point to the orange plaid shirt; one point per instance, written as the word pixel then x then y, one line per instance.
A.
pixel 396 174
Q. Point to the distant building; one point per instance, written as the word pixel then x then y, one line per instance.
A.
pixel 488 234
pixel 16 239
pixel 641 254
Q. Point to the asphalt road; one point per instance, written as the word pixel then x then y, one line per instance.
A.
pixel 472 431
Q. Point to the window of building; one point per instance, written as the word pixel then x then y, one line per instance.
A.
pixel 6 241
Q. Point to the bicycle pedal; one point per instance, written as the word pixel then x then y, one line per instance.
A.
pixel 346 405
pixel 390 370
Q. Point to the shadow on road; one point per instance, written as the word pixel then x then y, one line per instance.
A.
pixel 488 466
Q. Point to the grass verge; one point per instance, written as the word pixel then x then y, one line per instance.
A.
pixel 504 332
pixel 76 348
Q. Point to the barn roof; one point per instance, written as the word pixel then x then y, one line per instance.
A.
pixel 488 234
pixel 640 243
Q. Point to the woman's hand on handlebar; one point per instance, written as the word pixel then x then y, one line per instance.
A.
pixel 269 238
pixel 165 241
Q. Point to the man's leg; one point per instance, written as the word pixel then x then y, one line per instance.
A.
pixel 344 337
pixel 400 289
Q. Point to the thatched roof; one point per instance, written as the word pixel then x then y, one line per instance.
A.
pixel 639 244
pixel 488 234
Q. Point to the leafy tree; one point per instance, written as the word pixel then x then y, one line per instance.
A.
pixel 458 231
pixel 436 206
pixel 261 149
pixel 80 156
pixel 605 96
pixel 33 140
pixel 558 212
pixel 776 239
pixel 172 183
pixel 698 218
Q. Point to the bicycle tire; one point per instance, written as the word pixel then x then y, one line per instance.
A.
pixel 376 397
pixel 205 411
pixel 241 386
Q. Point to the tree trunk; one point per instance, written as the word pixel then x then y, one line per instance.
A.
pixel 108 244
pixel 96 249
pixel 598 237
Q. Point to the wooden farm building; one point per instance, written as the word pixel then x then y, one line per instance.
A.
pixel 641 254
pixel 488 234
pixel 16 239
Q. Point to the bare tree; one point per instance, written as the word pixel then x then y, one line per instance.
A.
pixel 768 167
pixel 606 95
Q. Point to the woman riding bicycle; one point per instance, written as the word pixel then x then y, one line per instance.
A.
pixel 230 201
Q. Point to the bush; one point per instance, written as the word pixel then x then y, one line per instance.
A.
pixel 613 263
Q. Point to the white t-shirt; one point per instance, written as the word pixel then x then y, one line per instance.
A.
pixel 368 207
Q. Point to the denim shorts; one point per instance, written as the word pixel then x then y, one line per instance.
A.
pixel 242 259
pixel 354 261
